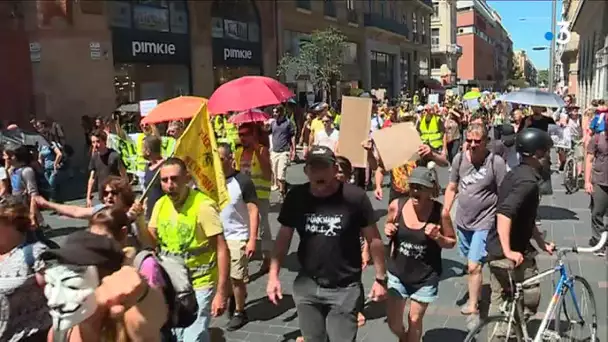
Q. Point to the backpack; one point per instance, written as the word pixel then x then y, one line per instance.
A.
pixel 44 188
pixel 179 294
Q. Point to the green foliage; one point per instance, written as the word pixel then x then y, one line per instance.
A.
pixel 320 58
pixel 543 76
pixel 518 83
pixel 355 92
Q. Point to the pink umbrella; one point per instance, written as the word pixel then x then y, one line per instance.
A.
pixel 248 92
pixel 251 115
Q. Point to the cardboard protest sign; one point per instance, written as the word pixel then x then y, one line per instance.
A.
pixel 354 129
pixel 397 144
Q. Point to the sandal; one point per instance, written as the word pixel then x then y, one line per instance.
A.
pixel 464 310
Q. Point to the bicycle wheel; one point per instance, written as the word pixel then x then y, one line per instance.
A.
pixel 494 329
pixel 570 179
pixel 570 325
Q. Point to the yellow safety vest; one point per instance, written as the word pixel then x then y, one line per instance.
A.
pixel 219 126
pixel 232 135
pixel 140 161
pixel 262 186
pixel 179 235
pixel 167 147
pixel 431 134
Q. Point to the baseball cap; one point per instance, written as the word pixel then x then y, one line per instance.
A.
pixel 320 155
pixel 422 176
pixel 508 135
pixel 84 248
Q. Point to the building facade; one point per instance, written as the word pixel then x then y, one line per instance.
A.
pixel 297 19
pixel 525 65
pixel 590 22
pixel 567 54
pixel 503 54
pixel 16 84
pixel 444 50
pixel 477 32
pixel 89 57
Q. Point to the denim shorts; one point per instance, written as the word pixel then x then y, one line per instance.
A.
pixel 472 244
pixel 426 294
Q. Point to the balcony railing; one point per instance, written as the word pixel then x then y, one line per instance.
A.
pixel 436 48
pixel 329 8
pixel 304 4
pixel 352 16
pixel 427 2
pixel 387 24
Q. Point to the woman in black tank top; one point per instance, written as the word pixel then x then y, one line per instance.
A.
pixel 418 232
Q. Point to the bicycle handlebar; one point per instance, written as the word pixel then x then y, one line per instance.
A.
pixel 592 249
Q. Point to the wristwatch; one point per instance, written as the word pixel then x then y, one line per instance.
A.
pixel 381 281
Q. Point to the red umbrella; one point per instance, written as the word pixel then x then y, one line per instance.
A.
pixel 248 92
pixel 251 115
pixel 179 108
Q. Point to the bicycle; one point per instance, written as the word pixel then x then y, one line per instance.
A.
pixel 513 319
pixel 571 177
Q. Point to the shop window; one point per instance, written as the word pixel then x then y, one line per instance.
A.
pixel 135 82
pixel 151 18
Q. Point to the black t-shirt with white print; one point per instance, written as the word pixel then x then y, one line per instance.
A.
pixel 329 229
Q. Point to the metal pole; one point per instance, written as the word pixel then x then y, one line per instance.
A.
pixel 552 47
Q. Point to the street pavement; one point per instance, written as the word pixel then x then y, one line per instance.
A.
pixel 565 218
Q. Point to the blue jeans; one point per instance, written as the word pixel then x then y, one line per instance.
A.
pixel 54 178
pixel 199 330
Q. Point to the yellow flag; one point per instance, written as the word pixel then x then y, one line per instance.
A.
pixel 198 149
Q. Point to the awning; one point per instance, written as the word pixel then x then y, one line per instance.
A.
pixel 434 85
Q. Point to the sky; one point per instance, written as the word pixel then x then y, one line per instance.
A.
pixel 530 31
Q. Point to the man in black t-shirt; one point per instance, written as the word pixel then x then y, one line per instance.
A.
pixel 508 246
pixel 329 217
pixel 104 163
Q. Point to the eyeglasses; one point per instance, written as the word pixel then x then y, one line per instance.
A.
pixel 326 121
pixel 476 141
pixel 109 192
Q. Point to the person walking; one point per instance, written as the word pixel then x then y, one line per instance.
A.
pixel 418 232
pixel 253 159
pixel 240 219
pixel 476 176
pixel 104 163
pixel 510 255
pixel 596 184
pixel 283 143
pixel 329 217
pixel 328 136
pixel 185 223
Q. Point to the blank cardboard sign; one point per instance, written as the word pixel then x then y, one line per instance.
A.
pixel 397 144
pixel 354 129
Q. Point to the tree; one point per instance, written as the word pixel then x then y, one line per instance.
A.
pixel 320 58
pixel 543 77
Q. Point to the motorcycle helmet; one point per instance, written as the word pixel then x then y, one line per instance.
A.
pixel 531 139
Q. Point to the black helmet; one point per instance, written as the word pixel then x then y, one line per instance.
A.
pixel 531 140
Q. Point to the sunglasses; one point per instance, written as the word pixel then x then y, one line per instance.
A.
pixel 476 141
pixel 109 192
pixel 173 179
pixel 326 121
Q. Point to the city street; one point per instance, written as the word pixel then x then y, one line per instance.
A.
pixel 565 218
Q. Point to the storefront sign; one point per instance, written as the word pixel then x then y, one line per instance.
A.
pixel 95 50
pixel 236 53
pixel 132 46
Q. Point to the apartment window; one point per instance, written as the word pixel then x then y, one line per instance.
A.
pixel 423 22
pixel 414 23
pixel 350 5
pixel 436 63
pixel 435 10
pixel 465 30
pixel 435 38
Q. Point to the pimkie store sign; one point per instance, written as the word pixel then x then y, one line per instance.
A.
pixel 133 46
pixel 231 52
